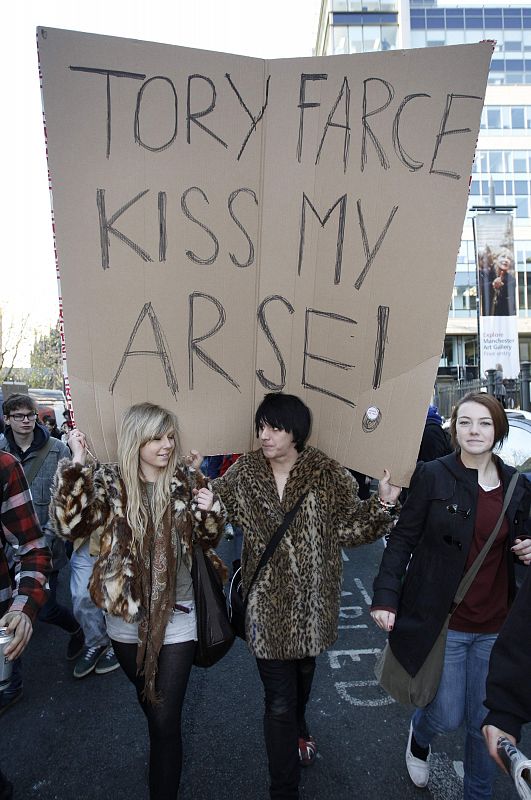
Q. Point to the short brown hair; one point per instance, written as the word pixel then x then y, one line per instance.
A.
pixel 497 412
pixel 18 400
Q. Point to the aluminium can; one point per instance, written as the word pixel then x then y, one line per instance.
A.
pixel 6 667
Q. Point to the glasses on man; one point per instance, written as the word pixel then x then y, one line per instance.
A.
pixel 21 417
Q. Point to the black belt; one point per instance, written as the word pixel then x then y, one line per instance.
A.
pixel 184 609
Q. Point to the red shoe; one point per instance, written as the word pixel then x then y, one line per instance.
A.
pixel 307 751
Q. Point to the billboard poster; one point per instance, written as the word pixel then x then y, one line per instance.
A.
pixel 497 282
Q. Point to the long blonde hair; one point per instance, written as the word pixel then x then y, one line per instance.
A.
pixel 141 424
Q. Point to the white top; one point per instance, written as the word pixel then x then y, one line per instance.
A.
pixel 181 627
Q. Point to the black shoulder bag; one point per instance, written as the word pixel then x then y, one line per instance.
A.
pixel 237 603
pixel 214 632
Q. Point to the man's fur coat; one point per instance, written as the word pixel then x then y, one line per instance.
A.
pixel 294 605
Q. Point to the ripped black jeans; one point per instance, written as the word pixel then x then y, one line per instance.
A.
pixel 287 687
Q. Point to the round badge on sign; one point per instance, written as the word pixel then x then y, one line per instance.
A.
pixel 371 419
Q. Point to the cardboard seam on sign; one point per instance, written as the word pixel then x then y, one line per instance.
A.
pixel 259 259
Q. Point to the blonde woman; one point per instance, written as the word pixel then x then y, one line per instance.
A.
pixel 148 507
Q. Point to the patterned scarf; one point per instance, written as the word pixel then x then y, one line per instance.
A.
pixel 159 561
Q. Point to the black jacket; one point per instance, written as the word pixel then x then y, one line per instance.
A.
pixel 435 530
pixel 435 442
pixel 508 684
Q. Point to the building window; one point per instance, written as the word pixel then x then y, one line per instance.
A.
pixel 513 46
pixel 340 39
pixel 471 350
pixel 506 118
pixel 496 161
pixel 418 38
pixel 493 18
pixel 355 37
pixel 447 358
pixel 435 38
pixel 512 18
pixel 455 36
pixel 519 160
pixel 389 36
pixel 474 19
pixel 522 207
pixel 525 349
pixel 521 290
pixel 371 38
pixel 493 118
pixel 496 78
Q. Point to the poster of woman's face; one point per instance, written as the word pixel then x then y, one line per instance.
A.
pixel 496 265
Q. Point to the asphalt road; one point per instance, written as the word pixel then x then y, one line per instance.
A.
pixel 85 739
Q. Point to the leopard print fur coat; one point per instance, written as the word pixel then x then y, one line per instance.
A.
pixel 293 607
pixel 90 501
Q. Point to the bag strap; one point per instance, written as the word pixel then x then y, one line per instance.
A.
pixel 274 541
pixel 469 576
pixel 36 463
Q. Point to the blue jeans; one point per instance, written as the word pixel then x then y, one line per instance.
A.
pixel 459 699
pixel 89 616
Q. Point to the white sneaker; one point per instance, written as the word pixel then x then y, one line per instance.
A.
pixel 419 770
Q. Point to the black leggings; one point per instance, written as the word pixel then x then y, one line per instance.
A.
pixel 164 719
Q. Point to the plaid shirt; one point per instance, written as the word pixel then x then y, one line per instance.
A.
pixel 21 530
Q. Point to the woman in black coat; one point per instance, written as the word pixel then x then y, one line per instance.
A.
pixel 452 508
pixel 508 686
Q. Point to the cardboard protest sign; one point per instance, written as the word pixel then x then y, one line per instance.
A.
pixel 228 226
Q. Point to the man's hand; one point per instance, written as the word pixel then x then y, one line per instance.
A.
pixel 204 498
pixel 492 734
pixel 19 624
pixel 194 459
pixel 387 491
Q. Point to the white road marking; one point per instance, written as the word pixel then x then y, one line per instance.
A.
pixel 350 612
pixel 352 627
pixel 363 591
pixel 343 689
pixel 354 655
pixel 344 556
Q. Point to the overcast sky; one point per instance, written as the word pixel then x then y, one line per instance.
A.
pixel 271 29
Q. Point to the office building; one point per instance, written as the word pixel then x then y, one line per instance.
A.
pixel 503 158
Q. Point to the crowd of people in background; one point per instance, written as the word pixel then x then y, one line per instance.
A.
pixel 128 532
